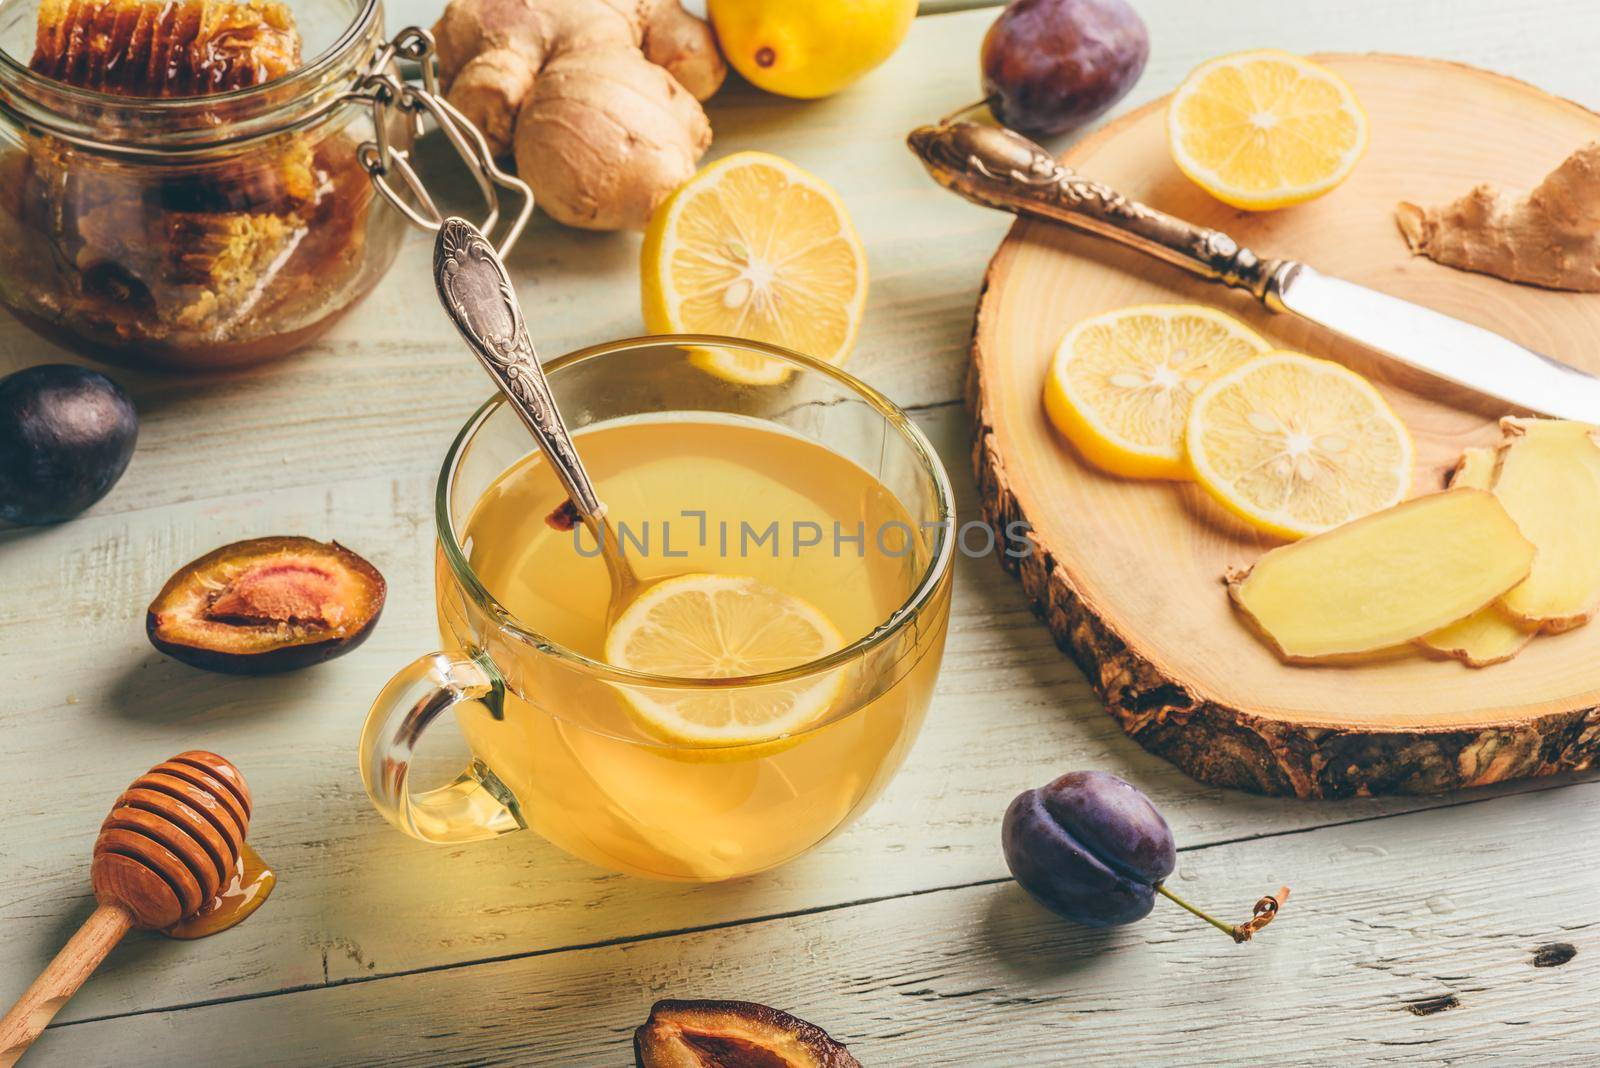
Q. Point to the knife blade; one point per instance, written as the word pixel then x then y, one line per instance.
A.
pixel 1431 341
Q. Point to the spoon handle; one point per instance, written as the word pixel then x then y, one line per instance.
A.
pixel 81 955
pixel 477 293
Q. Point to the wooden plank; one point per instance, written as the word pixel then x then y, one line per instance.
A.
pixel 1453 962
pixel 344 441
pixel 90 705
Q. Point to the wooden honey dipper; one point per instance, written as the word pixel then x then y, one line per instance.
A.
pixel 170 847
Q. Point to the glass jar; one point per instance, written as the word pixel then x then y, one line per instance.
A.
pixel 213 232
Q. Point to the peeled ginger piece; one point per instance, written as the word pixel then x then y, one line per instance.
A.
pixel 1488 636
pixel 1385 579
pixel 1549 481
pixel 1476 470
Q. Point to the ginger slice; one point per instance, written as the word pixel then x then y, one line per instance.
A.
pixel 1488 636
pixel 1475 470
pixel 1385 579
pixel 1550 237
pixel 1548 478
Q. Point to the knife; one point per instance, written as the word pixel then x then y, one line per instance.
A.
pixel 998 168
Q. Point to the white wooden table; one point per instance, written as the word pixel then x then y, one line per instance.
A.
pixel 1420 929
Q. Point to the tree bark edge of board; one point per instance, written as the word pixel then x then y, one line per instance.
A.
pixel 1224 746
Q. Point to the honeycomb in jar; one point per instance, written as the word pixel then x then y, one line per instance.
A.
pixel 196 249
pixel 277 177
pixel 165 48
pixel 200 271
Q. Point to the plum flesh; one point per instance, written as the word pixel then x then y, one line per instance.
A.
pixel 66 436
pixel 733 1034
pixel 1052 65
pixel 266 605
pixel 1089 847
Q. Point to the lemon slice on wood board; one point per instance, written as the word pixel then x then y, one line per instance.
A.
pixel 1121 383
pixel 1263 130
pixel 1294 445
pixel 703 626
pixel 754 247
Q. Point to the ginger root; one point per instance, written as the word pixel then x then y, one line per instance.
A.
pixel 1550 237
pixel 598 100
pixel 685 45
pixel 1385 579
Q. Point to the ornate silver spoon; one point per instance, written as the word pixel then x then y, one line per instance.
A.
pixel 477 293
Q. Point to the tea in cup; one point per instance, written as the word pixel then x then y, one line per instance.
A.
pixel 774 666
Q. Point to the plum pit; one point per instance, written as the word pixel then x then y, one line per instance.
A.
pixel 292 592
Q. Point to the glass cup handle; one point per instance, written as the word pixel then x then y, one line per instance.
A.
pixel 476 805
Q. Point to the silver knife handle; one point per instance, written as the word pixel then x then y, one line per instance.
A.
pixel 477 293
pixel 997 168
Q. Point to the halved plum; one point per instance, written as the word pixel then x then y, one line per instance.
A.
pixel 733 1034
pixel 266 605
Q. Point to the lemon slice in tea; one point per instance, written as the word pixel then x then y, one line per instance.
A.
pixel 1295 446
pixel 1120 384
pixel 702 626
pixel 754 247
pixel 1262 130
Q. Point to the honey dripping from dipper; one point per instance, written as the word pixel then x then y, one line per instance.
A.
pixel 198 798
pixel 170 857
pixel 247 891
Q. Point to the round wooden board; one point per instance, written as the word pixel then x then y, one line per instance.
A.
pixel 1129 573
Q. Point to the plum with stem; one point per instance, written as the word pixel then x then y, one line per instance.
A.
pixel 1093 849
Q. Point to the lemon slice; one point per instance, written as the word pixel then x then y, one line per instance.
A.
pixel 1262 130
pixel 754 247
pixel 1120 384
pixel 1295 446
pixel 703 626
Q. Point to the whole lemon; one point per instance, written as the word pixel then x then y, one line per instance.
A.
pixel 809 48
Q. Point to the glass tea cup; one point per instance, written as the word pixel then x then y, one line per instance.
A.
pixel 584 751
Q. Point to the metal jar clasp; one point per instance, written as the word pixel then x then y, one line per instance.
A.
pixel 387 92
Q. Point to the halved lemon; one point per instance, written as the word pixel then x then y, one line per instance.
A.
pixel 1120 384
pixel 703 626
pixel 754 247
pixel 1295 446
pixel 1267 129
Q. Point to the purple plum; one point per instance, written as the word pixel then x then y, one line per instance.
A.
pixel 1052 65
pixel 66 435
pixel 1089 847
